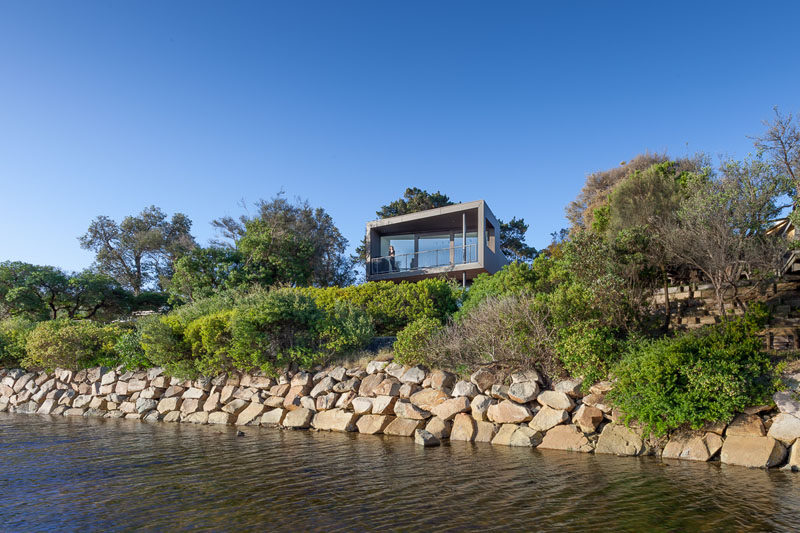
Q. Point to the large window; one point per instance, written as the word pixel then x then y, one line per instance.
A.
pixel 471 247
pixel 434 250
pixel 397 253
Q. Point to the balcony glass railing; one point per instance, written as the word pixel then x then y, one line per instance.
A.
pixel 423 259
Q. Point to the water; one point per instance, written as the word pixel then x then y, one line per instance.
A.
pixel 70 474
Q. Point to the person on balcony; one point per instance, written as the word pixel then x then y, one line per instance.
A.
pixel 392 260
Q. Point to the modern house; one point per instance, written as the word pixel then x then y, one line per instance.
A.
pixel 459 241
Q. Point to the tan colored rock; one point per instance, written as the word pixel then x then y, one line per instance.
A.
pixel 587 418
pixel 46 408
pixel 292 399
pixel 220 417
pixel 347 385
pixel 325 402
pixel 335 420
pixel 715 427
pixel 166 405
pixel 127 407
pixel 713 443
pixel 402 427
pixel 277 401
pixel 194 394
pixel 395 370
pixel 464 428
pixel 191 406
pixel 425 438
pixel 785 428
pixel 439 427
pixel 485 431
pixel 570 387
pixel 136 385
pixel 212 403
pixel 170 392
pixel 374 367
pixel 599 401
pixel 108 378
pixel 526 436
pixel 787 402
pixel 483 379
pixel 448 409
pixel 324 386
pixel 465 388
pixel 383 405
pixel 98 403
pixel 299 418
pixel 405 409
pixel 415 374
pixel 556 400
pixel 362 406
pixel 441 380
pixel 793 463
pixel 235 407
pixel 499 392
pixel 409 389
pixel 73 411
pixel 508 412
pixel 601 387
pixel 479 406
pixel 339 373
pixel 82 400
pixel 503 436
pixel 250 414
pixel 617 439
pixel 388 387
pixel 161 382
pixel 279 390
pixel 373 424
pixel 308 402
pixel 747 425
pixel 273 417
pixel 427 399
pixel 369 384
pixel 523 392
pixel 303 379
pixel 151 416
pixel 198 417
pixel 752 451
pixel 172 416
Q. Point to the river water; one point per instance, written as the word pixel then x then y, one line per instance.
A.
pixel 76 474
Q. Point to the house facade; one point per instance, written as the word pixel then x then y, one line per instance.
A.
pixel 459 241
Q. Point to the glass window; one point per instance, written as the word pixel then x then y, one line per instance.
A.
pixel 472 247
pixel 434 250
pixel 401 259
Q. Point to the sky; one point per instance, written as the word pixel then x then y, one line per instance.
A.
pixel 108 107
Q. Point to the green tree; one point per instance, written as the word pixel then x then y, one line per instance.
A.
pixel 141 250
pixel 273 256
pixel 203 271
pixel 512 240
pixel 781 143
pixel 413 201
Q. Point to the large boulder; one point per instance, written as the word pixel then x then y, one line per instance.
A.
pixel 383 405
pixel 199 417
pixel 403 427
pixel 503 436
pixel 441 380
pixel 556 400
pixel 325 385
pixel 347 385
pixel 508 412
pixel 250 414
pixel 425 438
pixel 415 374
pixel 405 409
pixel 523 392
pixel 480 407
pixel 587 418
pixel 483 379
pixel 439 427
pixel 464 428
pixel 746 425
pixel 395 370
pixel 369 384
pixel 362 406
pixel 220 417
pixel 787 402
pixel 450 408
pixel 570 387
pixel 326 401
pixel 373 367
pixel 547 418
pixel 753 451
pixel 485 431
pixel 465 388
pixel 273 417
pixel 785 428
pixel 335 420
pixel 696 446
pixel 169 404
pixel 526 436
pixel 388 387
pixel 299 418
pixel 566 437
pixel 427 399
pixel 373 424
pixel 793 462
pixel 617 439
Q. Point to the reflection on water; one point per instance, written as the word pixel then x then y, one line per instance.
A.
pixel 99 475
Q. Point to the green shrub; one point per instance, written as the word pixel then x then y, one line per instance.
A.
pixel 210 338
pixel 13 336
pixel 411 347
pixel 130 352
pixel 513 279
pixel 588 350
pixel 703 376
pixel 280 328
pixel 72 344
pixel 346 328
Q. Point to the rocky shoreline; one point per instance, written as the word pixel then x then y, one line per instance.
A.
pixel 390 399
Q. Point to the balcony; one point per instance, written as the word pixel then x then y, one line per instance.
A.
pixel 419 261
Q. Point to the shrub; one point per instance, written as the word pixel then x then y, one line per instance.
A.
pixel 129 351
pixel 411 347
pixel 71 344
pixel 210 337
pixel 281 328
pixel 513 279
pixel 703 376
pixel 13 336
pixel 346 328
pixel 588 350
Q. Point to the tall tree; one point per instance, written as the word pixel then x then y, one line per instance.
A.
pixel 413 201
pixel 781 142
pixel 203 271
pixel 297 221
pixel 140 251
pixel 512 240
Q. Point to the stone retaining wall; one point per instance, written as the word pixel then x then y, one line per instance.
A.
pixel 387 398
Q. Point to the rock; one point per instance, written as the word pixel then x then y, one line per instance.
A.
pixel 587 418
pixel 547 418
pixel 485 431
pixel 235 407
pixel 246 394
pixel 373 367
pixel 617 439
pixel 262 382
pixel 601 387
pixel 499 392
pixel 152 416
pixel 448 409
pixel 335 420
pixel 405 409
pixel 373 424
pixel 480 407
pixel 395 370
pixel 570 387
pixel 325 385
pixel 427 399
pixel 696 446
pixel 108 378
pixel 713 443
pixel 220 417
pixel 465 388
pixel 526 436
pixel 556 400
pixel 752 451
pixel 338 374
pixel 212 403
pixel 143 405
pixel 277 401
pixel 273 417
pixel 172 391
pixel 415 374
pixel 46 408
pixel 503 436
pixel 27 407
pixel 483 379
pixel 439 428
pixel 152 393
pixel 526 376
pixel 441 380
pixel 793 462
pixel 464 428
pixel 299 418
pixel 135 385
pixel 166 405
pixel 599 401
pixel 388 387
pixel 362 406
pixel 277 390
pixel 425 438
pixel 523 392
pixel 292 399
pixel 383 405
pixel 785 428
pixel 327 401
pixel 508 412
pixel 250 414
pixel 198 417
pixel 190 406
pixel 747 425
pixel 302 379
pixel 369 384
pixel 308 402
pixel 82 400
pixel 403 427
pixel 74 412
pixel 409 389
pixel 715 427
pixel 757 409
pixel 786 402
pixel 98 403
pixel 345 400
pixel 347 385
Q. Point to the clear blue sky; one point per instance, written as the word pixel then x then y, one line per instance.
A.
pixel 107 107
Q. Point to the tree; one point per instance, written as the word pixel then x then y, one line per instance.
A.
pixel 296 221
pixel 413 201
pixel 512 240
pixel 203 271
pixel 781 142
pixel 274 256
pixel 142 249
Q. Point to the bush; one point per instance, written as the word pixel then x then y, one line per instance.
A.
pixel 513 279
pixel 281 328
pixel 73 344
pixel 346 328
pixel 703 376
pixel 129 351
pixel 210 338
pixel 13 336
pixel 411 347
pixel 588 350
